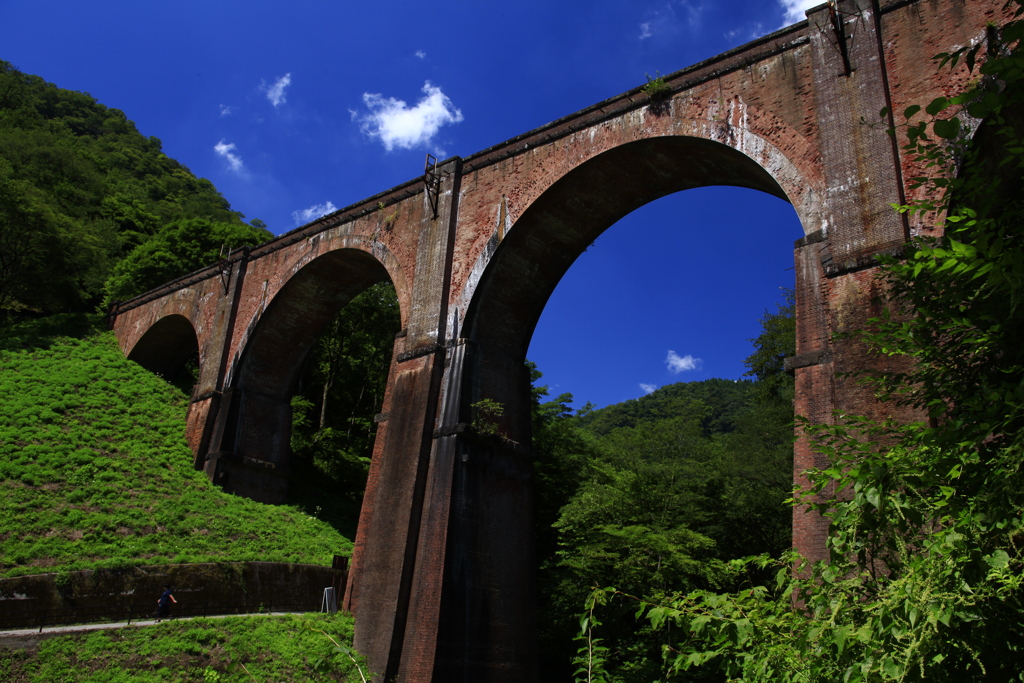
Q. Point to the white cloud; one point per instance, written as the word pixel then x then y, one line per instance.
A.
pixel 421 54
pixel 648 388
pixel 795 9
pixel 672 17
pixel 226 110
pixel 275 92
pixel 745 33
pixel 677 363
pixel 228 151
pixel 397 124
pixel 304 216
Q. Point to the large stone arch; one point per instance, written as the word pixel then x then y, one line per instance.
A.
pixel 251 439
pixel 674 133
pixel 550 234
pixel 264 291
pixel 489 479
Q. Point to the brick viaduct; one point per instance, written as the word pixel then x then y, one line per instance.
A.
pixel 441 577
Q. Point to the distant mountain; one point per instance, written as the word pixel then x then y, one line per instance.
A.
pixel 723 399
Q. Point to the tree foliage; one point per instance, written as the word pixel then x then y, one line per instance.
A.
pixel 80 189
pixel 175 249
pixel 925 578
pixel 340 391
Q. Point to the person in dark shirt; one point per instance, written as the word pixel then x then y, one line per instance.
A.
pixel 163 605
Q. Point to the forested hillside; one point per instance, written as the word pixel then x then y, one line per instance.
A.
pixel 724 399
pixel 81 190
pixel 657 494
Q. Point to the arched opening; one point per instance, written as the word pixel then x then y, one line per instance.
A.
pixel 515 288
pixel 657 484
pixel 252 454
pixel 561 224
pixel 336 407
pixel 170 348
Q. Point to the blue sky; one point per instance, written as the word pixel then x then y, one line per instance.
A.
pixel 295 109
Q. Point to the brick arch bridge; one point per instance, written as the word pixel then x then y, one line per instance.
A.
pixel 441 576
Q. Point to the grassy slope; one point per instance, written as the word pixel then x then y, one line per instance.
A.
pixel 94 470
pixel 270 648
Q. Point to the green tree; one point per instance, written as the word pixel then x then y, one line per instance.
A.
pixel 80 188
pixel 340 392
pixel 776 342
pixel 48 260
pixel 175 250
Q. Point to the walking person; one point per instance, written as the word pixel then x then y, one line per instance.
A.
pixel 163 605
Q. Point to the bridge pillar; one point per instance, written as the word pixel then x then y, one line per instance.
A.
pixel 221 443
pixel 472 618
pixel 837 289
pixel 250 447
pixel 390 561
pixel 205 423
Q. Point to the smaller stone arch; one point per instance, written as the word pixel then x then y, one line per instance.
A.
pixel 167 346
pixel 340 250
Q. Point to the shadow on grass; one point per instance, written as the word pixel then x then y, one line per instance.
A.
pixel 322 496
pixel 41 333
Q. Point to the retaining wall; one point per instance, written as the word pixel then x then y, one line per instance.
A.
pixel 132 592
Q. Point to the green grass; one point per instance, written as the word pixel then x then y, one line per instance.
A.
pixel 95 471
pixel 260 648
